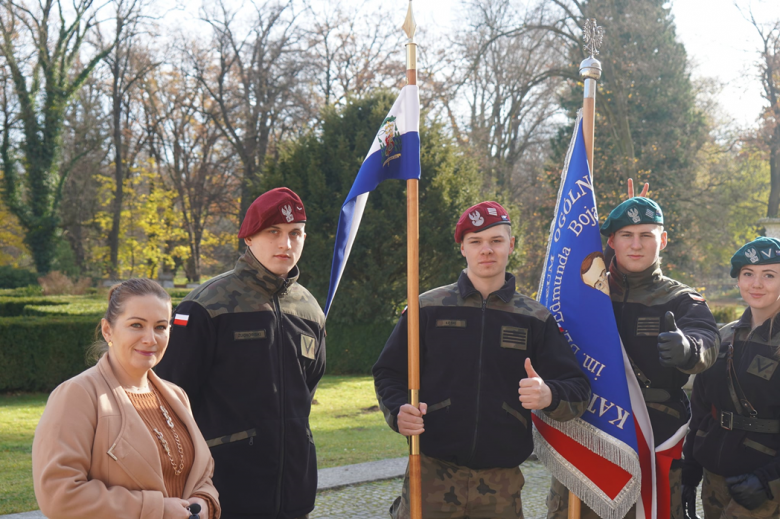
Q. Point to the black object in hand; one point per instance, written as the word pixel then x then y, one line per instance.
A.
pixel 674 350
pixel 194 509
pixel 689 502
pixel 747 491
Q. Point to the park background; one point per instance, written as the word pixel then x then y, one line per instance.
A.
pixel 135 133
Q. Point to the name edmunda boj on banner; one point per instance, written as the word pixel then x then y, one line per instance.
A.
pixel 604 456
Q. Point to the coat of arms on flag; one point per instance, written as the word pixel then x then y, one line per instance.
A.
pixel 389 140
pixel 605 457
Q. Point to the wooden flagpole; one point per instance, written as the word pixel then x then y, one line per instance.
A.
pixel 413 288
pixel 590 70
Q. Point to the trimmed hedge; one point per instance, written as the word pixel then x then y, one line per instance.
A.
pixel 38 353
pixel 352 349
pixel 43 340
pixel 727 314
pixel 11 277
pixel 15 306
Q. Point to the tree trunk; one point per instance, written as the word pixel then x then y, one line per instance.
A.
pixel 774 173
pixel 40 239
pixel 75 237
pixel 116 221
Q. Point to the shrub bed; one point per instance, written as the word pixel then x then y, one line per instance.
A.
pixel 11 306
pixel 43 340
pixel 725 314
pixel 353 348
pixel 38 353
pixel 11 277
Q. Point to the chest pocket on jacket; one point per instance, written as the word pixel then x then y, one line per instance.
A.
pixel 514 337
pixel 648 326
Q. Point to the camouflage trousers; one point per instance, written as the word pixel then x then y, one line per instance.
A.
pixel 717 502
pixel 558 500
pixel 451 491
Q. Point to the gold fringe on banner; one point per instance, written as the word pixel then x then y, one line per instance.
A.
pixel 605 446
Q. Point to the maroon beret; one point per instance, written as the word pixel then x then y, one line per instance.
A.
pixel 479 217
pixel 280 205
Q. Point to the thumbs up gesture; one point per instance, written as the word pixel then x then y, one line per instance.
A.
pixel 674 349
pixel 534 393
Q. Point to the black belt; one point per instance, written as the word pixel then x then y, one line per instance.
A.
pixel 731 421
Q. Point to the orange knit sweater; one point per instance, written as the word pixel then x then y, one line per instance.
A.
pixel 148 408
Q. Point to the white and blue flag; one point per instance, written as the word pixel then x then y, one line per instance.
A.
pixel 395 153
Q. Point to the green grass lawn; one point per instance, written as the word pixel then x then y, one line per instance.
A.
pixel 19 414
pixel 346 422
pixel 348 426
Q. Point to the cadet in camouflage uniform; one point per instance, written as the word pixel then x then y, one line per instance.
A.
pixel 735 429
pixel 249 348
pixel 666 327
pixel 479 343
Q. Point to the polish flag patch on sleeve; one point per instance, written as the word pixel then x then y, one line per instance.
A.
pixel 181 319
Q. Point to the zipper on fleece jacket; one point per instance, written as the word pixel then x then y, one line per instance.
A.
pixel 278 312
pixel 479 378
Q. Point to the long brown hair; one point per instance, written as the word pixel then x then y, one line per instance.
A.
pixel 117 297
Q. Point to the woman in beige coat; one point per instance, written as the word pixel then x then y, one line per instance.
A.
pixel 117 441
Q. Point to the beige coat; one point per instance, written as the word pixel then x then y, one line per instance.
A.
pixel 94 457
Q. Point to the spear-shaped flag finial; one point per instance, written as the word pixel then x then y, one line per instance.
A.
pixel 409 26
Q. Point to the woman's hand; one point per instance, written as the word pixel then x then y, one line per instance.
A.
pixel 175 508
pixel 204 507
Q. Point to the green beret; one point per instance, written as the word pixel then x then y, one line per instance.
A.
pixel 634 211
pixel 760 251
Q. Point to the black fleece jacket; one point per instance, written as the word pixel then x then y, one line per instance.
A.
pixel 734 452
pixel 472 355
pixel 249 355
pixel 640 302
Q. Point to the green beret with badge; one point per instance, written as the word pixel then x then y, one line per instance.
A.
pixel 634 211
pixel 760 251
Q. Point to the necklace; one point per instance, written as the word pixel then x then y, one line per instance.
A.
pixel 162 440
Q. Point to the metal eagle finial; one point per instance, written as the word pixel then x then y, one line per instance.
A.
pixel 593 36
pixel 409 26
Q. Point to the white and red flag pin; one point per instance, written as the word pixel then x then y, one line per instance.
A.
pixel 181 319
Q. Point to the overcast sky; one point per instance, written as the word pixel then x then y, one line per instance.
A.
pixel 722 45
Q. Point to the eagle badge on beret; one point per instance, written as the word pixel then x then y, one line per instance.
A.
pixel 761 251
pixel 287 212
pixel 476 218
pixel 479 217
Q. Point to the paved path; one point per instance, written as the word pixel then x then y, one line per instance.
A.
pixel 372 500
pixel 366 491
pixel 329 480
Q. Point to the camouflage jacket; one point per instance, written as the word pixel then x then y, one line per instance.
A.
pixel 472 356
pixel 734 452
pixel 248 347
pixel 640 302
